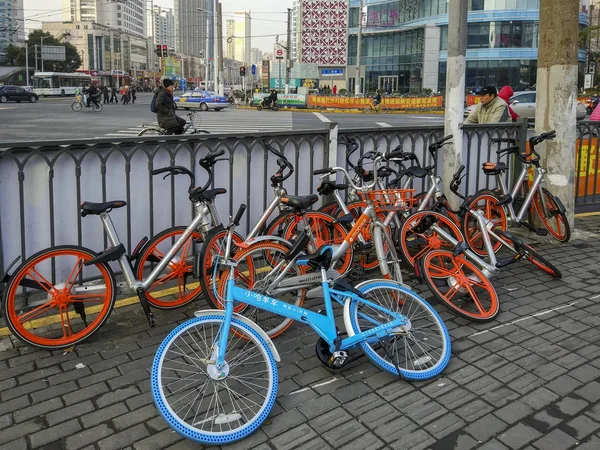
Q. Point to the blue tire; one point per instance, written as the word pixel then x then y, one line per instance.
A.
pixel 421 350
pixel 202 403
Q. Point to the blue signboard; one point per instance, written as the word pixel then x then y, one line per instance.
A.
pixel 253 69
pixel 329 72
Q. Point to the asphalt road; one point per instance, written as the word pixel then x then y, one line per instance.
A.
pixel 53 119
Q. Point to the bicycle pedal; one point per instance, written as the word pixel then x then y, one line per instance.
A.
pixel 356 273
pixel 541 232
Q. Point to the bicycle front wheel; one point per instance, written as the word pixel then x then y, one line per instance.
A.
pixel 418 350
pixel 150 132
pixel 488 203
pixel 459 285
pixel 53 300
pixel 175 285
pixel 539 261
pixel 555 221
pixel 76 106
pixel 210 405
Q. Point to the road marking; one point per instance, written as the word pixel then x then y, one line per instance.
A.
pixel 542 313
pixel 333 380
pixel 321 117
pixel 595 296
pixel 383 124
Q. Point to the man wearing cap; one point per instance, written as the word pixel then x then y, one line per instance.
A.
pixel 165 109
pixel 490 109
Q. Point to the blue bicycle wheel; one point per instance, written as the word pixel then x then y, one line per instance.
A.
pixel 209 405
pixel 420 349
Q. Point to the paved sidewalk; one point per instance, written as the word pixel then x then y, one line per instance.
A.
pixel 528 380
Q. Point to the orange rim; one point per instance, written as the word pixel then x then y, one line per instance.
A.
pixel 178 272
pixel 492 211
pixel 356 209
pixel 460 285
pixel 416 240
pixel 59 300
pixel 249 279
pixel 553 224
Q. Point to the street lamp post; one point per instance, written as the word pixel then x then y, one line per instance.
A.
pixel 206 66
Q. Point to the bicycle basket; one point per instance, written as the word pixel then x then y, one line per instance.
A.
pixel 391 199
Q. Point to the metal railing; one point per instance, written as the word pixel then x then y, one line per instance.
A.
pixel 42 185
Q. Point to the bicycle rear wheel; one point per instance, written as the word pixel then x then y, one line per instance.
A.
pixel 255 272
pixel 459 285
pixel 53 300
pixel 555 221
pixel 539 261
pixel 209 405
pixel 150 132
pixel 487 202
pixel 420 349
pixel 175 286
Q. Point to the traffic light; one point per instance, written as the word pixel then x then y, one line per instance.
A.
pixel 158 50
pixel 243 71
pixel 164 51
pixel 253 69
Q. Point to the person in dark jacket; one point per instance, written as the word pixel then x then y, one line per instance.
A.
pixel 114 95
pixel 92 93
pixel 105 94
pixel 165 107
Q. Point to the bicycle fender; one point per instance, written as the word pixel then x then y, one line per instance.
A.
pixel 6 276
pixel 266 238
pixel 559 203
pixel 250 323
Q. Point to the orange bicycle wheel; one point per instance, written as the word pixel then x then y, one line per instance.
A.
pixel 416 238
pixel 459 285
pixel 255 272
pixel 54 300
pixel 175 286
pixel 555 222
pixel 488 203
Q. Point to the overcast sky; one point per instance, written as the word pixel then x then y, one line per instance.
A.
pixel 266 20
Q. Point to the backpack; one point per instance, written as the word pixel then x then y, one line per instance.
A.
pixel 153 104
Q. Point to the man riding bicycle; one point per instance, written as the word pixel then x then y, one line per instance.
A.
pixel 165 109
pixel 92 93
pixel 270 99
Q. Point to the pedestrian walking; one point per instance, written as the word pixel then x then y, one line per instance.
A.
pixel 237 102
pixel 105 94
pixel 133 92
pixel 505 94
pixel 113 96
pixel 335 89
pixel 490 109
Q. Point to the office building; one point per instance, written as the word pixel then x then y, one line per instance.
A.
pixel 163 27
pixel 127 16
pixel 229 42
pixel 12 25
pixel 191 28
pixel 242 38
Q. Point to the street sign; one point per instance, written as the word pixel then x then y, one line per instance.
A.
pixel 279 54
pixel 331 72
pixel 54 53
pixel 253 69
pixel 587 83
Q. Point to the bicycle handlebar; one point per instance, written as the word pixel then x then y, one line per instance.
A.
pixel 456 181
pixel 238 216
pixel 273 150
pixel 364 187
pixel 283 164
pixel 177 170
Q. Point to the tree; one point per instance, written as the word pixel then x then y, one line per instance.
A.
pixel 15 56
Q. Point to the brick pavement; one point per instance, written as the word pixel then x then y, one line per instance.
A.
pixel 528 380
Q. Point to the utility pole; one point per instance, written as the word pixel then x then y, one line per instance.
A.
pixel 215 48
pixel 27 62
pixel 289 50
pixel 360 20
pixel 455 90
pixel 557 96
pixel 220 41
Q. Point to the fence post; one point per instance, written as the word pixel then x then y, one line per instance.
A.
pixel 331 151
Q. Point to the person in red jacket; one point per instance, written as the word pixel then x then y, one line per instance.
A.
pixel 505 94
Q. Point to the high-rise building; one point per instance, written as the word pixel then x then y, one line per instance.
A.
pixel 127 16
pixel 230 34
pixel 242 39
pixel 324 32
pixel 256 56
pixel 12 25
pixel 164 27
pixel 296 30
pixel 190 26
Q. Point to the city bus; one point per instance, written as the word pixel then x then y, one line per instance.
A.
pixel 55 83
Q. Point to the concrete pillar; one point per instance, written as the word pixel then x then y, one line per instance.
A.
pixel 455 92
pixel 431 57
pixel 557 96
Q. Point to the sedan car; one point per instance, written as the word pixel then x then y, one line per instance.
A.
pixel 523 103
pixel 17 94
pixel 200 99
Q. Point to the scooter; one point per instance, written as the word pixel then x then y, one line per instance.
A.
pixel 273 106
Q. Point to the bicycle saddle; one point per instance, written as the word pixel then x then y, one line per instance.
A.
pixel 490 168
pixel 208 195
pixel 99 208
pixel 417 172
pixel 300 202
pixel 320 258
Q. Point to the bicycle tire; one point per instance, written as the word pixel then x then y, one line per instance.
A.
pixel 214 418
pixel 539 261
pixel 177 272
pixel 42 326
pixel 415 237
pixel 427 338
pixel 459 285
pixel 557 224
pixel 326 231
pixel 441 206
pixel 97 107
pixel 76 106
pixel 278 225
pixel 331 208
pixel 247 276
pixel 212 248
pixel 150 132
pixel 488 202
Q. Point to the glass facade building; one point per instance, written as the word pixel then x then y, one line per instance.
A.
pixel 404 45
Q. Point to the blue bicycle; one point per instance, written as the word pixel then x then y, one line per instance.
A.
pixel 214 377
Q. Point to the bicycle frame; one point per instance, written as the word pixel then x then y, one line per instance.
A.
pixel 323 325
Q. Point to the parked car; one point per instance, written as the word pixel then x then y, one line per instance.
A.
pixel 201 99
pixel 17 94
pixel 523 103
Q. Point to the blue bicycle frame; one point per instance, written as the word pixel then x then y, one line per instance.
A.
pixel 324 325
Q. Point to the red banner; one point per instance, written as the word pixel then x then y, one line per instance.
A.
pixel 361 103
pixel 412 103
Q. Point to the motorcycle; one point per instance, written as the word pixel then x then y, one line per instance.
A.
pixel 273 106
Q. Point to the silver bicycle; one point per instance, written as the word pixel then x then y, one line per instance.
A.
pixel 191 127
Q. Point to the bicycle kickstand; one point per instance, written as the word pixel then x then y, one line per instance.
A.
pixel 146 308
